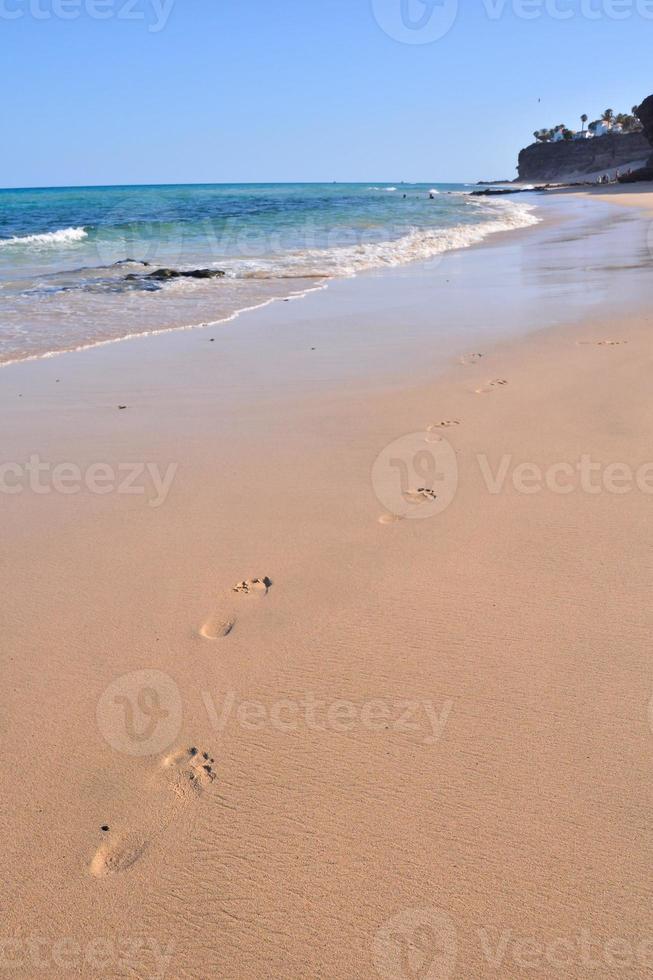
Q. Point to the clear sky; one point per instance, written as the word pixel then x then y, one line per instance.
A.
pixel 159 91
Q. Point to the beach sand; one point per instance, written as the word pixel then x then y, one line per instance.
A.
pixel 334 727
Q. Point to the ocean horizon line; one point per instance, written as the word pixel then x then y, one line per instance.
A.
pixel 232 183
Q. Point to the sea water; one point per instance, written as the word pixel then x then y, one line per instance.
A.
pixel 72 270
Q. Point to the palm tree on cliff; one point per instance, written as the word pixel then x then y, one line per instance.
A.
pixel 607 117
pixel 584 119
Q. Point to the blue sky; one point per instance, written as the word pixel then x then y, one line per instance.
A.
pixel 248 90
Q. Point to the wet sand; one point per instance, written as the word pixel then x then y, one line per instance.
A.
pixel 359 683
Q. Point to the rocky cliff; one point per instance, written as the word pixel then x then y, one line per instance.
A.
pixel 570 160
pixel 645 116
pixel 644 113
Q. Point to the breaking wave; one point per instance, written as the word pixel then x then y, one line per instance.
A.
pixel 65 236
pixel 416 244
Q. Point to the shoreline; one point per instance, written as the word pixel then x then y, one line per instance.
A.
pixel 510 623
pixel 551 214
pixel 629 195
pixel 481 234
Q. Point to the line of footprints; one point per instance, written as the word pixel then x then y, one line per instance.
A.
pixel 420 495
pixel 181 776
pixel 184 774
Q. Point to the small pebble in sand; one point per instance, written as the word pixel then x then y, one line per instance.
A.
pixel 122 407
pixel 104 828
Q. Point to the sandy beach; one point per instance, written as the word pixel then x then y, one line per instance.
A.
pixel 328 654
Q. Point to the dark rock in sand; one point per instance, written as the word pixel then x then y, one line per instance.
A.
pixel 163 274
pixel 644 173
pixel 495 191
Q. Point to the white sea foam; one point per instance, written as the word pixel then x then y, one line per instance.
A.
pixel 65 236
pixel 416 244
pixel 434 190
pixel 158 311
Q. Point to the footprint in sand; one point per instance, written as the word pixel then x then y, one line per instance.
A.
pixel 183 775
pixel 390 518
pixel 472 358
pixel 254 585
pixel 601 343
pixel 420 495
pixel 217 628
pixel 491 386
pixel 433 433
pixel 117 855
pixel 222 623
pixel 191 771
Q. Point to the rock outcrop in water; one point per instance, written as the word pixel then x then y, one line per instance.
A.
pixel 162 275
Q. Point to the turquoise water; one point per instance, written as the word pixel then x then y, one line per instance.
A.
pixel 65 253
